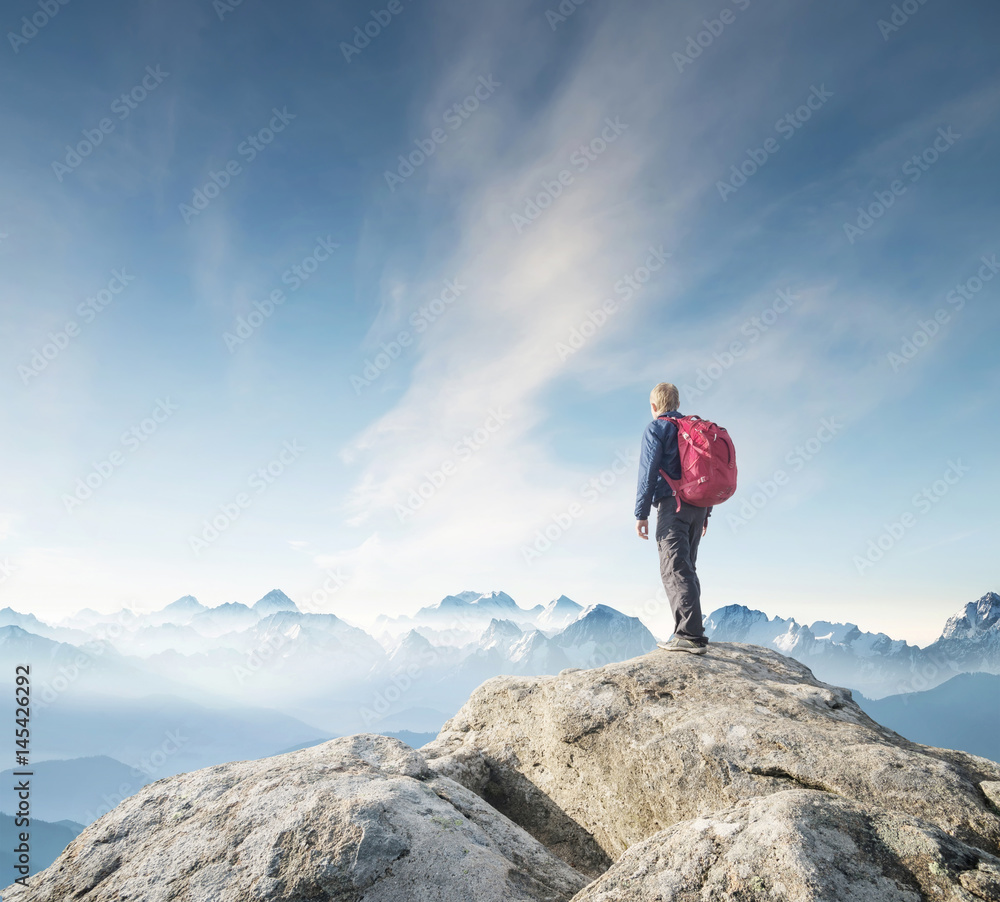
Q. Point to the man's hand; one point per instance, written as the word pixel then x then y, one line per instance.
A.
pixel 642 528
pixel 704 528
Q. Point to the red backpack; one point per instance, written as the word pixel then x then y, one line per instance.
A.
pixel 708 462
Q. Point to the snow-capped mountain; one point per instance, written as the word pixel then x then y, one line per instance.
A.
pixel 977 620
pixel 536 653
pixel 414 652
pixel 273 602
pixel 601 635
pixel 30 623
pixel 737 623
pixel 226 618
pixel 970 640
pixel 501 635
pixel 177 613
pixel 322 670
pixel 873 663
pixel 461 618
pixel 558 614
pixel 62 668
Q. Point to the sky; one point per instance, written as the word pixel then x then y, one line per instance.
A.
pixel 365 302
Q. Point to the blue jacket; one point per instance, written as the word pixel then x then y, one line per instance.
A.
pixel 658 451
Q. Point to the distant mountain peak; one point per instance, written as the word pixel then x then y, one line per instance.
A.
pixel 185 603
pixel 504 627
pixel 9 615
pixel 977 618
pixel 500 634
pixel 458 600
pixel 602 612
pixel 559 613
pixel 601 630
pixel 499 598
pixel 274 601
pixel 12 629
pixel 563 602
pixel 416 639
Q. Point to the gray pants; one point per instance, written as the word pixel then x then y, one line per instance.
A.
pixel 677 536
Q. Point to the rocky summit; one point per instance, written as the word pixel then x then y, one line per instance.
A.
pixel 355 818
pixel 733 775
pixel 594 762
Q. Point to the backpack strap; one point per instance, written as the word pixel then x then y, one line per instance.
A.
pixel 663 473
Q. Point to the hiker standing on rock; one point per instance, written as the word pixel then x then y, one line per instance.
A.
pixel 680 524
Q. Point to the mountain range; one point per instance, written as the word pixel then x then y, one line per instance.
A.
pixel 338 677
pixel 329 676
pixel 872 663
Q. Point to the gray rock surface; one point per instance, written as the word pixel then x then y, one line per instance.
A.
pixel 667 778
pixel 360 818
pixel 592 762
pixel 800 845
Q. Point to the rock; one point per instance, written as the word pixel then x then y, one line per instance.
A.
pixel 592 762
pixel 795 846
pixel 360 818
pixel 733 775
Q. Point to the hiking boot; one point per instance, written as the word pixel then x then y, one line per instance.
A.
pixel 678 643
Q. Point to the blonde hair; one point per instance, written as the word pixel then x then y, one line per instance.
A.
pixel 665 396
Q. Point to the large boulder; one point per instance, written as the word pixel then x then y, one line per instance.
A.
pixel 592 762
pixel 359 819
pixel 800 846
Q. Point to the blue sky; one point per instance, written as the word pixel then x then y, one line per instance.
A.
pixel 552 161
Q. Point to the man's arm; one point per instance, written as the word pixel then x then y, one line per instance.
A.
pixel 650 453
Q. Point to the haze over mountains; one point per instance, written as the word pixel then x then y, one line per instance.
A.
pixel 271 654
pixel 338 678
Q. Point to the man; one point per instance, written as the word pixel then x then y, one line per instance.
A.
pixel 678 532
